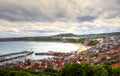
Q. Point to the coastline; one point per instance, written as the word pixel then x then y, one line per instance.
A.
pixel 81 47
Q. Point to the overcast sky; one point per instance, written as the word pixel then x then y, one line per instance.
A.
pixel 48 17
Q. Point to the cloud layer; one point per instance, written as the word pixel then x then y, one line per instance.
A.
pixel 49 17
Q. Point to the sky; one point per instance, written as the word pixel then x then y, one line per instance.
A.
pixel 19 18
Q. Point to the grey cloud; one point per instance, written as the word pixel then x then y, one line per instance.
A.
pixel 86 18
pixel 16 13
pixel 52 10
pixel 31 11
pixel 40 17
pixel 43 31
pixel 92 29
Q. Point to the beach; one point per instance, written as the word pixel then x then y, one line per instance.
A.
pixel 81 47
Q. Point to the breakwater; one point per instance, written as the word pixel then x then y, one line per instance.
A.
pixel 12 56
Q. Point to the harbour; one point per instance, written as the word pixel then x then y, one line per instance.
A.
pixel 12 56
pixel 37 47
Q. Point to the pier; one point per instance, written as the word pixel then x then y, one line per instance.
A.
pixel 12 56
pixel 54 53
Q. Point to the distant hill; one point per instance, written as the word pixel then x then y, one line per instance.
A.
pixel 65 35
pixel 102 34
pixel 113 33
pixel 52 38
pixel 87 35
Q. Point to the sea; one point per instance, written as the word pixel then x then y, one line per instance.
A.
pixel 37 47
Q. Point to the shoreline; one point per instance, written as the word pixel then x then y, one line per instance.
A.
pixel 81 47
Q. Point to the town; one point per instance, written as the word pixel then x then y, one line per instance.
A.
pixel 107 51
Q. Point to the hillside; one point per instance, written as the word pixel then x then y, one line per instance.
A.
pixel 102 34
pixel 53 38
pixel 88 35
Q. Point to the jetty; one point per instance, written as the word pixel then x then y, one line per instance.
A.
pixel 12 56
pixel 54 53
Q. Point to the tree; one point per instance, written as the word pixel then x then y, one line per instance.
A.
pixel 81 40
pixel 2 71
pixel 17 73
pixel 87 69
pixel 103 58
pixel 116 71
pixel 92 55
pixel 71 40
pixel 93 43
pixel 108 68
pixel 74 69
pixel 50 70
pixel 100 71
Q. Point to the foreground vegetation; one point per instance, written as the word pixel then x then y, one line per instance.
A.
pixel 73 69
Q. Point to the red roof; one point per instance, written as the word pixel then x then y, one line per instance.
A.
pixel 115 65
pixel 114 51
